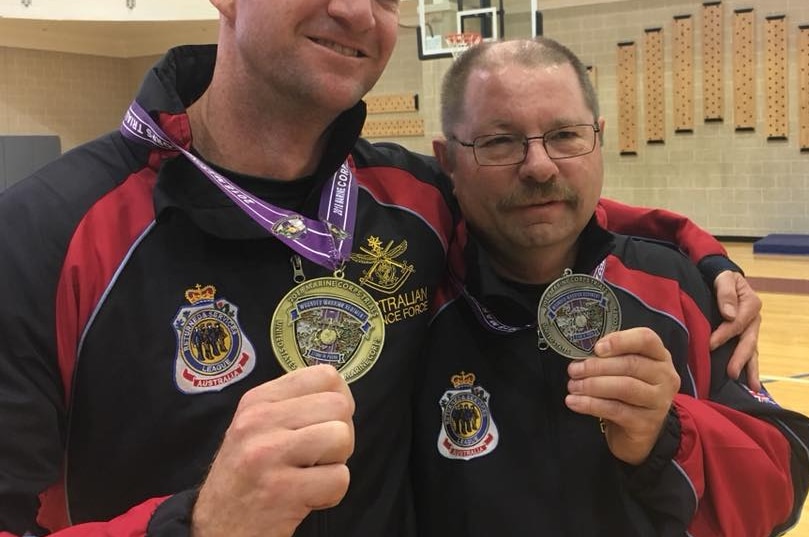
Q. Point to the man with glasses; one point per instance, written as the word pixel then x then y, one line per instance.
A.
pixel 589 404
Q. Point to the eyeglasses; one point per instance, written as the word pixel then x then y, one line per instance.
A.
pixel 506 149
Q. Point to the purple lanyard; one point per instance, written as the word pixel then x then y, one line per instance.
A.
pixel 326 241
pixel 488 319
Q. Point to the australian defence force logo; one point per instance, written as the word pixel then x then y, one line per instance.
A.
pixel 467 428
pixel 386 273
pixel 212 350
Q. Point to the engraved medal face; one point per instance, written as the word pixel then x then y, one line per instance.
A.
pixel 576 311
pixel 328 321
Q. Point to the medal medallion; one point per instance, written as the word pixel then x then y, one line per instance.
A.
pixel 576 311
pixel 328 321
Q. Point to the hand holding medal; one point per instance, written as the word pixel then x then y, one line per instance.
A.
pixel 283 456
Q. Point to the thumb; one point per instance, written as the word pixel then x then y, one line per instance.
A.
pixel 727 294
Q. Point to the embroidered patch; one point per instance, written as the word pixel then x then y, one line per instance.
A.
pixel 467 428
pixel 212 350
pixel 386 273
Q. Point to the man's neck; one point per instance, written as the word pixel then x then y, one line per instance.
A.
pixel 268 142
pixel 534 266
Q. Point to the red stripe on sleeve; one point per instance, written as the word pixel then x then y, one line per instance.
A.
pixel 96 250
pixel 392 186
pixel 658 224
pixel 665 295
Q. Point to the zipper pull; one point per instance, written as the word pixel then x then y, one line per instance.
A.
pixel 541 343
pixel 297 269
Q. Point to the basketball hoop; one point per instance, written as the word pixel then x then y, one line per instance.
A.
pixel 458 42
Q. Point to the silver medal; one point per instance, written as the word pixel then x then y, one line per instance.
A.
pixel 576 311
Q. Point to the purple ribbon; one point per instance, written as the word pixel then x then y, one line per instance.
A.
pixel 326 241
pixel 488 319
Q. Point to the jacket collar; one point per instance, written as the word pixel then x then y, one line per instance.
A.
pixel 516 303
pixel 174 83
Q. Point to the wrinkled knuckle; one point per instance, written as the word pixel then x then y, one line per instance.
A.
pixel 343 438
pixel 336 487
pixel 676 382
pixel 615 411
pixel 342 479
pixel 633 365
pixel 649 335
pixel 341 405
pixel 592 367
pixel 256 456
pixel 327 374
pixel 245 421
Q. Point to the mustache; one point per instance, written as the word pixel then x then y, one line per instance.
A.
pixel 536 193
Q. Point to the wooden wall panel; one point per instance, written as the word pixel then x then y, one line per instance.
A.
pixel 382 104
pixel 683 73
pixel 803 85
pixel 776 78
pixel 713 102
pixel 627 98
pixel 391 128
pixel 653 86
pixel 744 90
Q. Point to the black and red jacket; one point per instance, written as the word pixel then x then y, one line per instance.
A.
pixel 497 452
pixel 99 252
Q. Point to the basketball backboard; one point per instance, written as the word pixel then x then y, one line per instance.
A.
pixel 438 18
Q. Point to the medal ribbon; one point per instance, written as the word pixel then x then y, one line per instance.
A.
pixel 326 241
pixel 487 318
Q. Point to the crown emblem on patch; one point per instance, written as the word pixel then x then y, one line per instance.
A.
pixel 200 294
pixel 463 380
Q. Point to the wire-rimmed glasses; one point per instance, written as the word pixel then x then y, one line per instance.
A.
pixel 506 149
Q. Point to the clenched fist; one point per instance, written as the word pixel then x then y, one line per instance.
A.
pixel 283 456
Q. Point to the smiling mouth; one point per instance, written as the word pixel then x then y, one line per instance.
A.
pixel 339 49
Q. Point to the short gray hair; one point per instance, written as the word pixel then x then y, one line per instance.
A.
pixel 540 51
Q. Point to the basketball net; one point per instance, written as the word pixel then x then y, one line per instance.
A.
pixel 458 42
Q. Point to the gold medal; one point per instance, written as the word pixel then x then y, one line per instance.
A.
pixel 576 311
pixel 328 321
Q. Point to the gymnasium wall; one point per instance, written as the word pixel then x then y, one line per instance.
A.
pixel 734 183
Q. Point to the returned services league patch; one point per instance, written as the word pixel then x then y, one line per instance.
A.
pixel 212 350
pixel 467 428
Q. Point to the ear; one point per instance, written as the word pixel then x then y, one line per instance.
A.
pixel 442 154
pixel 601 124
pixel 226 8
